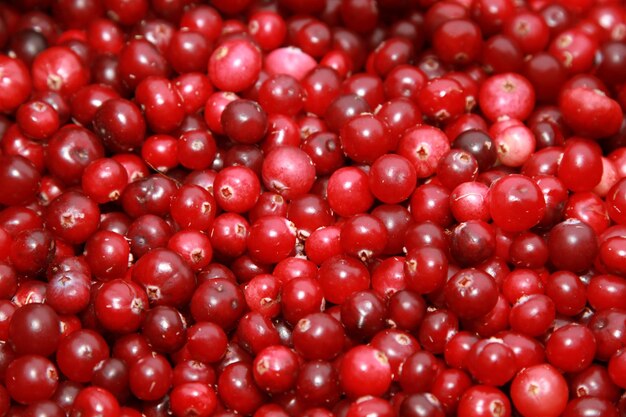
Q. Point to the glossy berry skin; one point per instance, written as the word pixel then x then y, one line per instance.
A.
pixel 37 119
pixel 442 99
pixel 288 171
pixel 193 398
pixel 192 207
pixel 237 389
pixel 616 199
pixel 516 203
pixel 244 121
pixel 17 82
pixel 363 138
pixel 34 329
pixel 571 348
pixel 572 245
pixel 165 277
pixel 392 178
pixel 318 208
pixel 532 315
pixel 164 329
pixel 150 377
pixel 348 191
pixel 539 389
pixel 31 251
pixel 491 363
pixel 74 148
pixel 426 269
pixel 19 178
pixel 58 69
pixel 161 104
pixel 601 112
pixel 104 180
pixel 274 369
pixel 93 401
pixel 236 189
pixel 120 306
pixel 31 378
pixel 318 336
pixel 362 314
pixel 301 296
pixel 580 168
pixel 471 293
pixel 423 146
pixel 279 231
pixel 79 353
pixel 107 254
pixel 364 362
pixel 234 65
pixel 421 403
pixel 484 401
pixel 472 242
pixel 206 342
pixel 340 276
pixel 363 236
pixel 218 300
pixel 120 124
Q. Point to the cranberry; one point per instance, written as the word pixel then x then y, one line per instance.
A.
pixel 594 382
pixel 73 217
pixel 218 300
pixel 34 323
pixel 365 361
pixel 120 124
pixel 165 277
pixel 484 400
pixel 193 398
pixel 79 353
pixel 578 341
pixel 603 113
pixel 31 378
pixel 17 81
pixel 572 245
pixel 539 389
pixel 424 146
pixel 289 171
pixel 516 203
pixel 237 389
pixel 161 104
pixel 293 208
pixel 104 180
pixel 58 69
pixel 234 65
pixel 150 377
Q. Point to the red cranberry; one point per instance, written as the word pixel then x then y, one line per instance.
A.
pixel 234 65
pixel 58 69
pixel 31 378
pixel 548 387
pixel 365 361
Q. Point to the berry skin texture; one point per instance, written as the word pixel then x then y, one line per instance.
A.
pixel 193 398
pixel 471 293
pixel 31 378
pixel 507 94
pixel 234 65
pixel 364 362
pixel 539 390
pixel 516 203
pixel 590 113
pixel 288 171
pixel 20 180
pixel 320 208
pixel 16 83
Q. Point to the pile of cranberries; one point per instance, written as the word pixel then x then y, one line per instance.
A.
pixel 312 208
